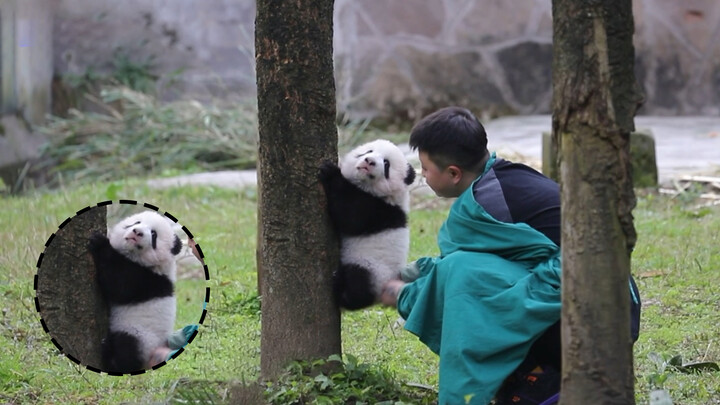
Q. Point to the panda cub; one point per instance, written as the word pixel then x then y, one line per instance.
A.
pixel 368 201
pixel 135 266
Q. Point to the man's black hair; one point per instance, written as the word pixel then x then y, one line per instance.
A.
pixel 451 136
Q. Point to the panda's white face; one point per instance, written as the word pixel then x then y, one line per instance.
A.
pixel 147 238
pixel 380 168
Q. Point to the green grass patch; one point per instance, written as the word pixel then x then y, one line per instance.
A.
pixel 676 263
pixel 341 381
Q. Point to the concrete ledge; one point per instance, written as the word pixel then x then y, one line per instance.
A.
pixel 642 158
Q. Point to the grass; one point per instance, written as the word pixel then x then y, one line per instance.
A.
pixel 676 264
pixel 33 371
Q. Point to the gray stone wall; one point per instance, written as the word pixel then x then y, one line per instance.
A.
pixel 26 65
pixel 399 58
pixel 208 42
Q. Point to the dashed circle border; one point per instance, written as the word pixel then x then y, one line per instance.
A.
pixel 167 215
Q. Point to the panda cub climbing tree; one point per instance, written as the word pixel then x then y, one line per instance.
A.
pixel 135 266
pixel 368 201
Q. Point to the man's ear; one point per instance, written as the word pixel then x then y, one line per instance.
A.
pixel 455 172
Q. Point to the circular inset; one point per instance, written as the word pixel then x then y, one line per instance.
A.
pixel 108 295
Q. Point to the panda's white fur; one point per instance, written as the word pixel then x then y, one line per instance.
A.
pixel 151 322
pixel 366 170
pixel 136 271
pixel 133 238
pixel 368 201
pixel 383 253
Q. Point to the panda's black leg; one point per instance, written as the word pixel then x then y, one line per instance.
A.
pixel 121 353
pixel 353 287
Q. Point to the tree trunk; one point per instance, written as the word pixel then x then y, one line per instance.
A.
pixel 297 251
pixel 595 97
pixel 67 292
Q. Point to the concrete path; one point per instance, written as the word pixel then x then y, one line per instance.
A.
pixel 684 145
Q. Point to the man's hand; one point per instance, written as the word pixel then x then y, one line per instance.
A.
pixel 390 292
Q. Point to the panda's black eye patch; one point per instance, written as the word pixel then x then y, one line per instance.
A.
pixel 387 168
pixel 154 238
pixel 128 226
pixel 363 154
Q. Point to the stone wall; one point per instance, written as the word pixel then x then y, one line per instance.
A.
pixel 206 44
pixel 26 65
pixel 399 58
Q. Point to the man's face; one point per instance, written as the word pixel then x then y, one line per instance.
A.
pixel 443 182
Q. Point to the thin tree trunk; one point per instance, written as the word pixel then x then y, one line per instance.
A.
pixel 595 97
pixel 70 302
pixel 296 249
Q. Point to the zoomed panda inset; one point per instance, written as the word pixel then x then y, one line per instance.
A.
pixel 135 265
pixel 368 201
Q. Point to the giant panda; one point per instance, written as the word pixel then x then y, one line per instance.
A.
pixel 368 201
pixel 135 267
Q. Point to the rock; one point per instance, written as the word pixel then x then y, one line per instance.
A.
pixel 644 162
pixel 642 156
pixel 660 397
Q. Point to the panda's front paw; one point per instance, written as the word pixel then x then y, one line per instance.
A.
pixel 327 171
pixel 97 242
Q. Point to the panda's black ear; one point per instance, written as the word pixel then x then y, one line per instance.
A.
pixel 410 176
pixel 177 246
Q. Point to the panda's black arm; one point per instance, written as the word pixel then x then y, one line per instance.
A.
pixel 354 211
pixel 365 215
pixel 107 262
pixel 121 280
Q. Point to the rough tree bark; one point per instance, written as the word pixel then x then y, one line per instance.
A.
pixel 297 131
pixel 67 292
pixel 595 97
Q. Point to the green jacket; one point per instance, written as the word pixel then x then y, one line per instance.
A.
pixel 480 305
